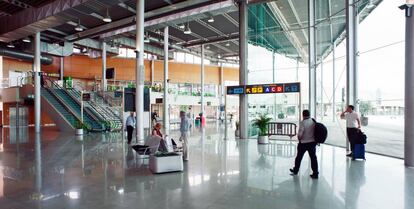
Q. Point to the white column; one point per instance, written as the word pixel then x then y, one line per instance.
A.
pixel 62 67
pixel 166 112
pixel 322 108
pixel 243 72
pixel 140 74
pixel 351 54
pixel 274 81
pixel 312 58
pixel 103 80
pixel 409 89
pixel 37 71
pixel 333 83
pixel 221 98
pixel 202 80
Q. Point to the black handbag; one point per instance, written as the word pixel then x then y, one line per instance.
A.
pixel 361 138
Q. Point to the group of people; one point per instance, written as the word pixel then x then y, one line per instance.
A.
pixel 156 132
pixel 307 142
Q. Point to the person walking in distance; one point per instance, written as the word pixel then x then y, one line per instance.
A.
pixel 130 125
pixel 307 143
pixel 353 125
pixel 184 127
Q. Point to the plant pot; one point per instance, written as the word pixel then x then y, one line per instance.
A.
pixel 364 121
pixel 79 131
pixel 263 139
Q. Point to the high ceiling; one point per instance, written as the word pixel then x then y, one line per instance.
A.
pixel 280 26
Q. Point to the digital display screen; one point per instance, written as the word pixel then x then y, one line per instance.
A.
pixel 265 88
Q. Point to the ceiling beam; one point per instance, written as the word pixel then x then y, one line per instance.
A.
pixel 211 40
pixel 295 13
pixel 285 26
pixel 215 30
pixel 18 3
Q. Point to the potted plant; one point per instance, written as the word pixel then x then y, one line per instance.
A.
pixel 261 122
pixel 79 126
pixel 364 108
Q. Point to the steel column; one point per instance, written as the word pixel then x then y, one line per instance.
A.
pixel 103 80
pixel 37 71
pixel 351 52
pixel 409 88
pixel 166 113
pixel 333 83
pixel 312 58
pixel 221 89
pixel 202 80
pixel 62 66
pixel 243 72
pixel 322 108
pixel 274 81
pixel 140 74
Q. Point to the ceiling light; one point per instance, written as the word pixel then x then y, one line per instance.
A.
pixel 10 45
pixel 207 47
pixel 211 19
pixel 79 26
pixel 107 18
pixel 26 40
pixel 187 29
pixel 219 56
pixel 227 44
pixel 182 26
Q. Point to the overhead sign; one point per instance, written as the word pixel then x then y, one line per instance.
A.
pixel 235 89
pixel 265 88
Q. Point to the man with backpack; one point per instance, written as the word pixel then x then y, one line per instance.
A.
pixel 307 143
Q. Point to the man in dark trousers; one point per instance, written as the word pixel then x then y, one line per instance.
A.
pixel 306 143
pixel 130 125
pixel 353 125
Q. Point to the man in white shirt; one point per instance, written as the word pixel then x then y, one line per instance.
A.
pixel 130 125
pixel 353 125
pixel 306 143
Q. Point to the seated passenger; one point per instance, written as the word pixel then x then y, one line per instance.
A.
pixel 156 131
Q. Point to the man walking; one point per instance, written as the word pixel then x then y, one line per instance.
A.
pixel 353 125
pixel 184 126
pixel 306 144
pixel 130 125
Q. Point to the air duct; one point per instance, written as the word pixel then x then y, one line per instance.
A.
pixel 45 60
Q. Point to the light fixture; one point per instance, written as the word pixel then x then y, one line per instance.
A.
pixel 107 18
pixel 182 26
pixel 10 45
pixel 187 29
pixel 219 56
pixel 211 19
pixel 26 40
pixel 227 44
pixel 207 47
pixel 78 26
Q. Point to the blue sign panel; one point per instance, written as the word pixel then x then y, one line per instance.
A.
pixel 235 90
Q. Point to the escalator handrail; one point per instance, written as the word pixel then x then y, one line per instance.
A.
pixel 74 113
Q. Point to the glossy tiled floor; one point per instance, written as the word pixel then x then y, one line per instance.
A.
pixel 59 171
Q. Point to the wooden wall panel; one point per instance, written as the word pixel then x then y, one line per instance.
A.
pixel 45 119
pixel 83 67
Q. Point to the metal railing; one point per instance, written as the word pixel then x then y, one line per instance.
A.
pixel 281 129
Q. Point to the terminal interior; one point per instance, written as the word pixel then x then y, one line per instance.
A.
pixel 71 73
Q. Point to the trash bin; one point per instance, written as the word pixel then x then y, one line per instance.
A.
pixel 197 122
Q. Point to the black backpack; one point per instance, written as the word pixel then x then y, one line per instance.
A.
pixel 320 132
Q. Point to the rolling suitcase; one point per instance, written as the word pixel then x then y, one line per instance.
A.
pixel 359 152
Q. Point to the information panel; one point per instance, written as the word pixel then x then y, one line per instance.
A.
pixel 265 88
pixel 235 90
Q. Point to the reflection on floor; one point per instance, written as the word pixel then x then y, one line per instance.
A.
pixel 57 170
